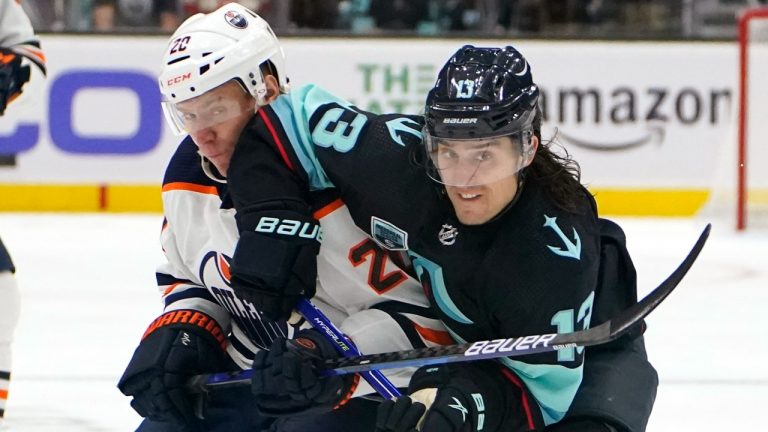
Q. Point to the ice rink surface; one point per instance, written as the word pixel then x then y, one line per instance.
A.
pixel 88 292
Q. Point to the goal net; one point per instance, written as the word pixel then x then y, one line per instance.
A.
pixel 752 121
pixel 739 191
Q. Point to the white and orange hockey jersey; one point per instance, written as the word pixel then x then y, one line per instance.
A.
pixel 17 34
pixel 375 303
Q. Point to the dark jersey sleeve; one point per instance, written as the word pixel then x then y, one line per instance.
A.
pixel 263 169
pixel 6 264
pixel 619 382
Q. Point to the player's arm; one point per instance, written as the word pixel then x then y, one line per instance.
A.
pixel 619 385
pixel 188 338
pixel 275 261
pixel 21 59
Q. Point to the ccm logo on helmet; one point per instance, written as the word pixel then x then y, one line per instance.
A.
pixel 460 120
pixel 289 227
pixel 179 79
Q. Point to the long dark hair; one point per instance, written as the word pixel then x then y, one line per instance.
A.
pixel 560 175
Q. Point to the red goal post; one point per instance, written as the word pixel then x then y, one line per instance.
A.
pixel 749 194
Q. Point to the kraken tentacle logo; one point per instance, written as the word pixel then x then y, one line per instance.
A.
pixel 572 249
pixel 403 125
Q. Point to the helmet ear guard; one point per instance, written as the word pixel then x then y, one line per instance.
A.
pixel 529 148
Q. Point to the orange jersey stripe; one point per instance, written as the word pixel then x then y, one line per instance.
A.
pixel 328 209
pixel 3 394
pixel 170 288
pixel 192 187
pixel 436 336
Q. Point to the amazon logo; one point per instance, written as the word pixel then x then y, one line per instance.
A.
pixel 653 109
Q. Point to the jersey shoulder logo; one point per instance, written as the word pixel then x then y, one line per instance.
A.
pixel 448 234
pixel 388 236
pixel 572 248
pixel 402 125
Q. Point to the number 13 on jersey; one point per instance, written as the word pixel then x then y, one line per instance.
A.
pixel 567 320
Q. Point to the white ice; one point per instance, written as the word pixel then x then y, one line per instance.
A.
pixel 88 292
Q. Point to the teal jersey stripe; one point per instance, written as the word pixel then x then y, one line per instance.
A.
pixel 439 290
pixel 292 106
pixel 553 386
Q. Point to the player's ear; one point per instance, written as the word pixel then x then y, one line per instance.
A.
pixel 529 151
pixel 273 88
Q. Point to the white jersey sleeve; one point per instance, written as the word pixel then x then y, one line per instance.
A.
pixel 17 34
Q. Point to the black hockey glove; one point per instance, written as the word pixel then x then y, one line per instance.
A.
pixel 176 346
pixel 275 261
pixel 582 425
pixel 285 379
pixel 457 398
pixel 13 76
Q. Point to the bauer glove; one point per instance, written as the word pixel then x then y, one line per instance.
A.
pixel 455 398
pixel 582 424
pixel 286 379
pixel 275 261
pixel 176 346
pixel 13 76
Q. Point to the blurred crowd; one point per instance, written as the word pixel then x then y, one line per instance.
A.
pixel 623 18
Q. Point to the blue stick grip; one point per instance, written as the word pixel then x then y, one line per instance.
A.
pixel 345 347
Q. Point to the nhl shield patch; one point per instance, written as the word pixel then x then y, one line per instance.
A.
pixel 388 235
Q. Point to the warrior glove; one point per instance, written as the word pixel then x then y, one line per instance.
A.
pixel 451 398
pixel 176 346
pixel 13 76
pixel 286 381
pixel 275 261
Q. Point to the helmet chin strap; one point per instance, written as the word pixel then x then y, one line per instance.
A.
pixel 211 171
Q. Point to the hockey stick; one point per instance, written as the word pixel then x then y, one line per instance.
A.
pixel 345 347
pixel 320 322
pixel 510 347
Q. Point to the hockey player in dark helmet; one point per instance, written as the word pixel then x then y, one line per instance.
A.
pixel 482 133
pixel 509 244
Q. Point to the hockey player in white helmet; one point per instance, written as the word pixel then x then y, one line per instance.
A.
pixel 22 71
pixel 221 71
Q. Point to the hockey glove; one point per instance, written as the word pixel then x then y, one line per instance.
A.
pixel 13 76
pixel 457 398
pixel 582 425
pixel 286 382
pixel 176 346
pixel 275 261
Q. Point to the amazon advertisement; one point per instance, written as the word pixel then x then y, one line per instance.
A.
pixel 650 123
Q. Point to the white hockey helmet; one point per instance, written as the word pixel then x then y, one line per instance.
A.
pixel 208 50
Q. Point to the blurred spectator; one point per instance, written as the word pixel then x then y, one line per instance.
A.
pixel 316 14
pixel 399 14
pixel 191 7
pixel 459 15
pixel 110 14
pixel 270 10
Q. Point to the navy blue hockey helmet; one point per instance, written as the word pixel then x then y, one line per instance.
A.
pixel 482 92
pixel 480 96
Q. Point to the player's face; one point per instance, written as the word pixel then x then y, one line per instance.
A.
pixel 480 177
pixel 215 119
